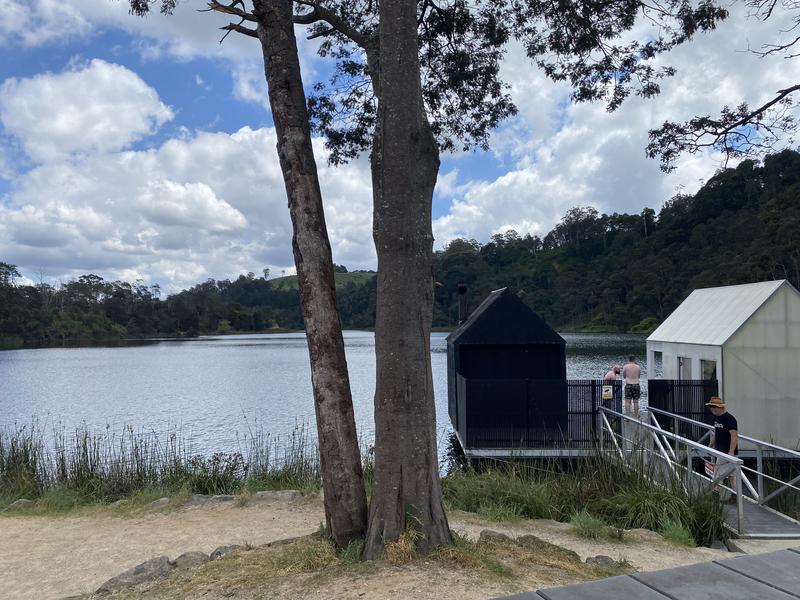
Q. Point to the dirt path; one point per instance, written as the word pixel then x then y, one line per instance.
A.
pixel 44 558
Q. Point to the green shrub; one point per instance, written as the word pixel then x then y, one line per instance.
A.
pixel 646 506
pixel 497 494
pixel 677 533
pixel 588 526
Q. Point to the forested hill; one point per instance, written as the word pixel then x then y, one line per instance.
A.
pixel 615 272
pixel 623 271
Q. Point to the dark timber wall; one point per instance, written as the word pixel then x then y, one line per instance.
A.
pixel 506 373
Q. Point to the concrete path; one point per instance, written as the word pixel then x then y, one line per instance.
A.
pixel 772 576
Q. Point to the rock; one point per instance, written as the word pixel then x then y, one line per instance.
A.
pixel 601 561
pixel 222 498
pixel 189 560
pixel 197 500
pixel 19 504
pixel 530 540
pixel 487 535
pixel 119 503
pixel 160 503
pixel 150 570
pixel 537 544
pixel 277 496
pixel 223 550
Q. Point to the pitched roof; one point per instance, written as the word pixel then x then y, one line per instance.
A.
pixel 711 316
pixel 502 318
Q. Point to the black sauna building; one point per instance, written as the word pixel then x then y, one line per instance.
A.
pixel 506 376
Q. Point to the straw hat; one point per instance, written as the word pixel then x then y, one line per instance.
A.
pixel 716 402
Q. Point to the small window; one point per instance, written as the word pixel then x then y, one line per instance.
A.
pixel 684 367
pixel 658 363
pixel 709 368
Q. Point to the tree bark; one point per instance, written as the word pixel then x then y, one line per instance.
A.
pixel 345 498
pixel 405 163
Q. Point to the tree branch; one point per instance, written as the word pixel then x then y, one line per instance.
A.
pixel 321 13
pixel 237 27
pixel 230 9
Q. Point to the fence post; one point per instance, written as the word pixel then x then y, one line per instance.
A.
pixel 739 501
pixel 760 468
pixel 602 432
pixel 592 433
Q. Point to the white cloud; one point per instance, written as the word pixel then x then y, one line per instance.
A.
pixel 36 22
pixel 249 83
pixel 193 205
pixel 100 107
pixel 213 205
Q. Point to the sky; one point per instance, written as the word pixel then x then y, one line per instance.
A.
pixel 144 149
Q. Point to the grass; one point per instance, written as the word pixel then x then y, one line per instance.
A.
pixel 65 471
pixel 678 534
pixel 312 564
pixel 588 526
pixel 602 496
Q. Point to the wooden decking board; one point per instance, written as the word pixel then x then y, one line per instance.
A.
pixel 604 589
pixel 772 576
pixel 780 569
pixel 708 581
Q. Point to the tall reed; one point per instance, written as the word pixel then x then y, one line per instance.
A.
pixel 103 467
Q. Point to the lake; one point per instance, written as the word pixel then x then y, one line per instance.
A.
pixel 215 389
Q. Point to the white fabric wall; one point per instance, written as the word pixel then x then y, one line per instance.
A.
pixel 670 351
pixel 762 371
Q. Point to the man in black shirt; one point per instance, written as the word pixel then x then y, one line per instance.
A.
pixel 725 437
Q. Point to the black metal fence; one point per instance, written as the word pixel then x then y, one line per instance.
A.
pixel 685 398
pixel 530 413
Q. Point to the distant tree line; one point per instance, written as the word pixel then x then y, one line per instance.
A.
pixel 593 271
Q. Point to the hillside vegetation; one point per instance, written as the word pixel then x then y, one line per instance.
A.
pixel 593 271
pixel 289 282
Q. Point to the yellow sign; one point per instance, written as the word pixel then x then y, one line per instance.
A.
pixel 608 392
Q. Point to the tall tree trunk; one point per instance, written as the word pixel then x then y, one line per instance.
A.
pixel 405 163
pixel 345 498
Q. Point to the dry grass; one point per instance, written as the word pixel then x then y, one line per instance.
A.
pixel 310 567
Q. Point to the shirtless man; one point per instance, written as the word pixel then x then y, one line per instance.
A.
pixel 611 376
pixel 631 373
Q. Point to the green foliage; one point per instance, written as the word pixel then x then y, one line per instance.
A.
pixel 587 525
pixel 599 496
pixel 497 494
pixel 83 468
pixel 677 533
pixel 647 506
pixel 342 278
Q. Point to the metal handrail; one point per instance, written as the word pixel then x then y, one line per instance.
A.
pixel 738 476
pixel 670 435
pixel 711 427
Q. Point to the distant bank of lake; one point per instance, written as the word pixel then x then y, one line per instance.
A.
pixel 214 389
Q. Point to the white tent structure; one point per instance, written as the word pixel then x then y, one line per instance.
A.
pixel 747 337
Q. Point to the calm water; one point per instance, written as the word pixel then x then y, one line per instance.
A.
pixel 213 389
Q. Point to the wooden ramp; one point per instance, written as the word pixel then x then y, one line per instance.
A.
pixel 772 576
pixel 761 522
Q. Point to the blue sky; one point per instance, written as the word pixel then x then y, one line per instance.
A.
pixel 144 149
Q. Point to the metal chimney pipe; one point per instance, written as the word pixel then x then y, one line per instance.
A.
pixel 462 303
